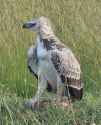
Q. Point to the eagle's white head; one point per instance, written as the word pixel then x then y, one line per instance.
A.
pixel 42 25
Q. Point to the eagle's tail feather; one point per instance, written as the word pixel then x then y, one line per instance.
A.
pixel 74 93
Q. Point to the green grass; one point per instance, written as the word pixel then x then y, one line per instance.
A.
pixel 77 24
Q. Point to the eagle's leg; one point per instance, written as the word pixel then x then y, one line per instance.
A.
pixel 42 83
pixel 60 88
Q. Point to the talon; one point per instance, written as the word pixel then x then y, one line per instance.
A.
pixel 30 105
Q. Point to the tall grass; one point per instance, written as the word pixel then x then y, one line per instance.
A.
pixel 77 24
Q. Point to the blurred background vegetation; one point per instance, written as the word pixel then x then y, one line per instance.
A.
pixel 78 24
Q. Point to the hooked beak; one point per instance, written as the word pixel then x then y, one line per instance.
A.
pixel 28 25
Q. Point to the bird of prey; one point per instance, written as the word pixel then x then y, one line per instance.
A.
pixel 52 62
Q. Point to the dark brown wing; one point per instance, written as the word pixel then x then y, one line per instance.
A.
pixel 69 71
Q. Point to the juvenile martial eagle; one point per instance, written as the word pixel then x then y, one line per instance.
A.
pixel 53 63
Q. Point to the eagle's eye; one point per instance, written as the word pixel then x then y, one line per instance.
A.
pixel 32 24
